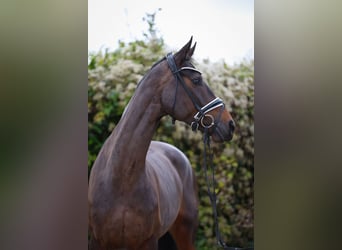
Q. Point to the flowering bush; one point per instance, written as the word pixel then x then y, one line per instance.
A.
pixel 113 77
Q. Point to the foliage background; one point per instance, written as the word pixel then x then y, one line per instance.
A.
pixel 112 78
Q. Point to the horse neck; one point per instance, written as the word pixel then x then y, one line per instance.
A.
pixel 132 136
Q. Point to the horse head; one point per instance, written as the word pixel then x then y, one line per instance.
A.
pixel 187 97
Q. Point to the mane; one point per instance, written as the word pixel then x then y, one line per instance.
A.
pixel 142 79
pixel 159 61
pixel 190 61
pixel 154 65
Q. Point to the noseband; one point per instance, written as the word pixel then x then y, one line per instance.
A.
pixel 201 111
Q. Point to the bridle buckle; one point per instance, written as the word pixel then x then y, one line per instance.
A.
pixel 194 126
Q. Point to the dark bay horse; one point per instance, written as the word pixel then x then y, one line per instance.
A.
pixel 140 189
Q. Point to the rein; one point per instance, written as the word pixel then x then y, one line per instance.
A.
pixel 211 186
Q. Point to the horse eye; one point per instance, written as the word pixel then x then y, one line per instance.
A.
pixel 197 80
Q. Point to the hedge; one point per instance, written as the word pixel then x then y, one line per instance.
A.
pixel 113 77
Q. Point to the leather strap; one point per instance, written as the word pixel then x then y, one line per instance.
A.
pixel 217 102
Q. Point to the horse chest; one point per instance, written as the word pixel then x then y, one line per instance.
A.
pixel 129 219
pixel 148 208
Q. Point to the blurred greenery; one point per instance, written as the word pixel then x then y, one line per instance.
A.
pixel 112 79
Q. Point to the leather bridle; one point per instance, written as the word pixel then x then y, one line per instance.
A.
pixel 202 112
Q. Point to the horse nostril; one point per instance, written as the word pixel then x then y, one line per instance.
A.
pixel 232 125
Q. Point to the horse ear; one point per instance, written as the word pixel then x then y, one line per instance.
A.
pixel 191 52
pixel 182 55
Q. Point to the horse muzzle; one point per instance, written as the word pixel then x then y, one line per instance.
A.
pixel 223 131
